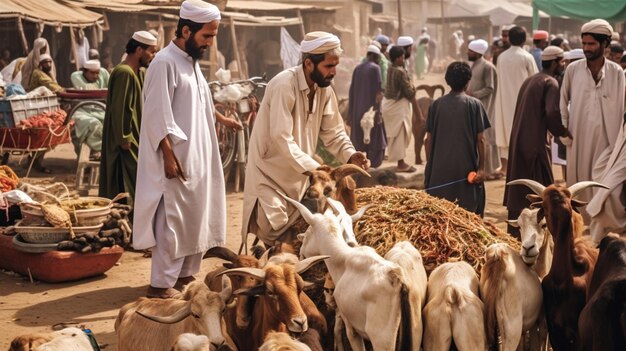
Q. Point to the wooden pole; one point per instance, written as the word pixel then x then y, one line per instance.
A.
pixel 20 27
pixel 444 39
pixel 74 48
pixel 400 31
pixel 233 34
pixel 302 31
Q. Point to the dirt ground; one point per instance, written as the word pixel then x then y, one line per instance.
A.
pixel 35 307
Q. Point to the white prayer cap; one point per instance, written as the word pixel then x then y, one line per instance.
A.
pixel 478 46
pixel 507 27
pixel 597 26
pixel 145 37
pixel 199 11
pixel 551 53
pixel 373 49
pixel 404 41
pixel 575 54
pixel 376 44
pixel 615 36
pixel 92 65
pixel 319 43
pixel 44 57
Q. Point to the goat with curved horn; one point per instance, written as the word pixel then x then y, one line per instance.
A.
pixel 255 273
pixel 306 214
pixel 580 186
pixel 346 170
pixel 176 317
pixel 535 186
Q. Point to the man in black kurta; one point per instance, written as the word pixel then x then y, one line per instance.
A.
pixel 455 145
pixel 536 113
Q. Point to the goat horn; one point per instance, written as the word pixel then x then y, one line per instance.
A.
pixel 304 265
pixel 355 217
pixel 346 170
pixel 575 189
pixel 221 252
pixel 176 317
pixel 537 187
pixel 336 205
pixel 255 273
pixel 306 214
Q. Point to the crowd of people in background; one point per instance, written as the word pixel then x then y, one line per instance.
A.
pixel 514 112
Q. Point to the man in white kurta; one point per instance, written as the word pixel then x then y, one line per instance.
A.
pixel 180 205
pixel 594 91
pixel 514 66
pixel 299 107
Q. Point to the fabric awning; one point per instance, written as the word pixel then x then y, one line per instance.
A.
pixel 49 12
pixel 244 19
pixel 498 12
pixel 610 10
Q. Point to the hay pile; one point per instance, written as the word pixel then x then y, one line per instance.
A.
pixel 439 229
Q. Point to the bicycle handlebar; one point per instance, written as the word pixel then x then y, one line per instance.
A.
pixel 252 80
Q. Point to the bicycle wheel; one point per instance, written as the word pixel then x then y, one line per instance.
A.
pixel 226 139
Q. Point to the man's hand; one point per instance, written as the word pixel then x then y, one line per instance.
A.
pixel 480 176
pixel 125 146
pixel 379 97
pixel 568 134
pixel 228 122
pixel 172 166
pixel 360 159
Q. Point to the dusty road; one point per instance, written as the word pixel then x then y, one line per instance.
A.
pixel 34 307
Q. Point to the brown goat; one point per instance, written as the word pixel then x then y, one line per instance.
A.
pixel 30 341
pixel 335 183
pixel 565 286
pixel 602 322
pixel 279 304
pixel 419 119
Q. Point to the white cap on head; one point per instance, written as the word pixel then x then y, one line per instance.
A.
pixel 373 49
pixel 597 26
pixel 145 37
pixel 478 46
pixel 404 41
pixel 44 57
pixel 199 11
pixel 92 65
pixel 575 54
pixel 551 53
pixel 319 42
pixel 376 44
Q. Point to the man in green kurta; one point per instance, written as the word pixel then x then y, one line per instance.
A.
pixel 89 119
pixel 120 137
pixel 42 76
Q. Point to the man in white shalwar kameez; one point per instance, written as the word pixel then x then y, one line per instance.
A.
pixel 299 107
pixel 180 206
pixel 514 66
pixel 594 90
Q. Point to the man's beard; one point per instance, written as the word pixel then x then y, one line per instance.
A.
pixel 321 81
pixel 593 55
pixel 472 58
pixel 143 62
pixel 47 70
pixel 192 49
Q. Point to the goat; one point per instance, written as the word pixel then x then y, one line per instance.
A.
pixel 367 124
pixel 602 322
pixel 453 311
pixel 278 306
pixel 154 324
pixel 419 119
pixel 191 342
pixel 278 341
pixel 370 292
pixel 335 183
pixel 67 339
pixel 405 255
pixel 537 243
pixel 512 295
pixel 565 286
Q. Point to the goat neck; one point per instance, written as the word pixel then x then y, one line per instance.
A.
pixel 558 212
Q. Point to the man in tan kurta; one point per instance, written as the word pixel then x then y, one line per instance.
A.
pixel 298 108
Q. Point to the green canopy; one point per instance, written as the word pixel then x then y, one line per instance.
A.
pixel 610 10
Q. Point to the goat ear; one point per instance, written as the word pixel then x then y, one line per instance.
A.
pixel 534 198
pixel 513 223
pixel 300 237
pixel 307 285
pixel 577 203
pixel 325 168
pixel 307 263
pixel 540 215
pixel 253 291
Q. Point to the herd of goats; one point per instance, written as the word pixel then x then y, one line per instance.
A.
pixel 558 290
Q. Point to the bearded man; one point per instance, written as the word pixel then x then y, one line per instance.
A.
pixel 593 89
pixel 120 134
pixel 298 108
pixel 43 75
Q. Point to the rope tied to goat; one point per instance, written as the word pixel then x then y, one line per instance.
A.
pixel 441 230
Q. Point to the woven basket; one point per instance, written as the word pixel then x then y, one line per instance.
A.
pixel 42 235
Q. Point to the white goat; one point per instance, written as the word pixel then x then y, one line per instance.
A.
pixel 537 243
pixel 512 296
pixel 405 255
pixel 454 311
pixel 367 124
pixel 154 324
pixel 67 339
pixel 279 341
pixel 345 220
pixel 191 342
pixel 370 292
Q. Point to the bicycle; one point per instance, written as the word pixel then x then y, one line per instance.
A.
pixel 233 144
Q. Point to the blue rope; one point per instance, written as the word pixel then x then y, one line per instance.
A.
pixel 446 184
